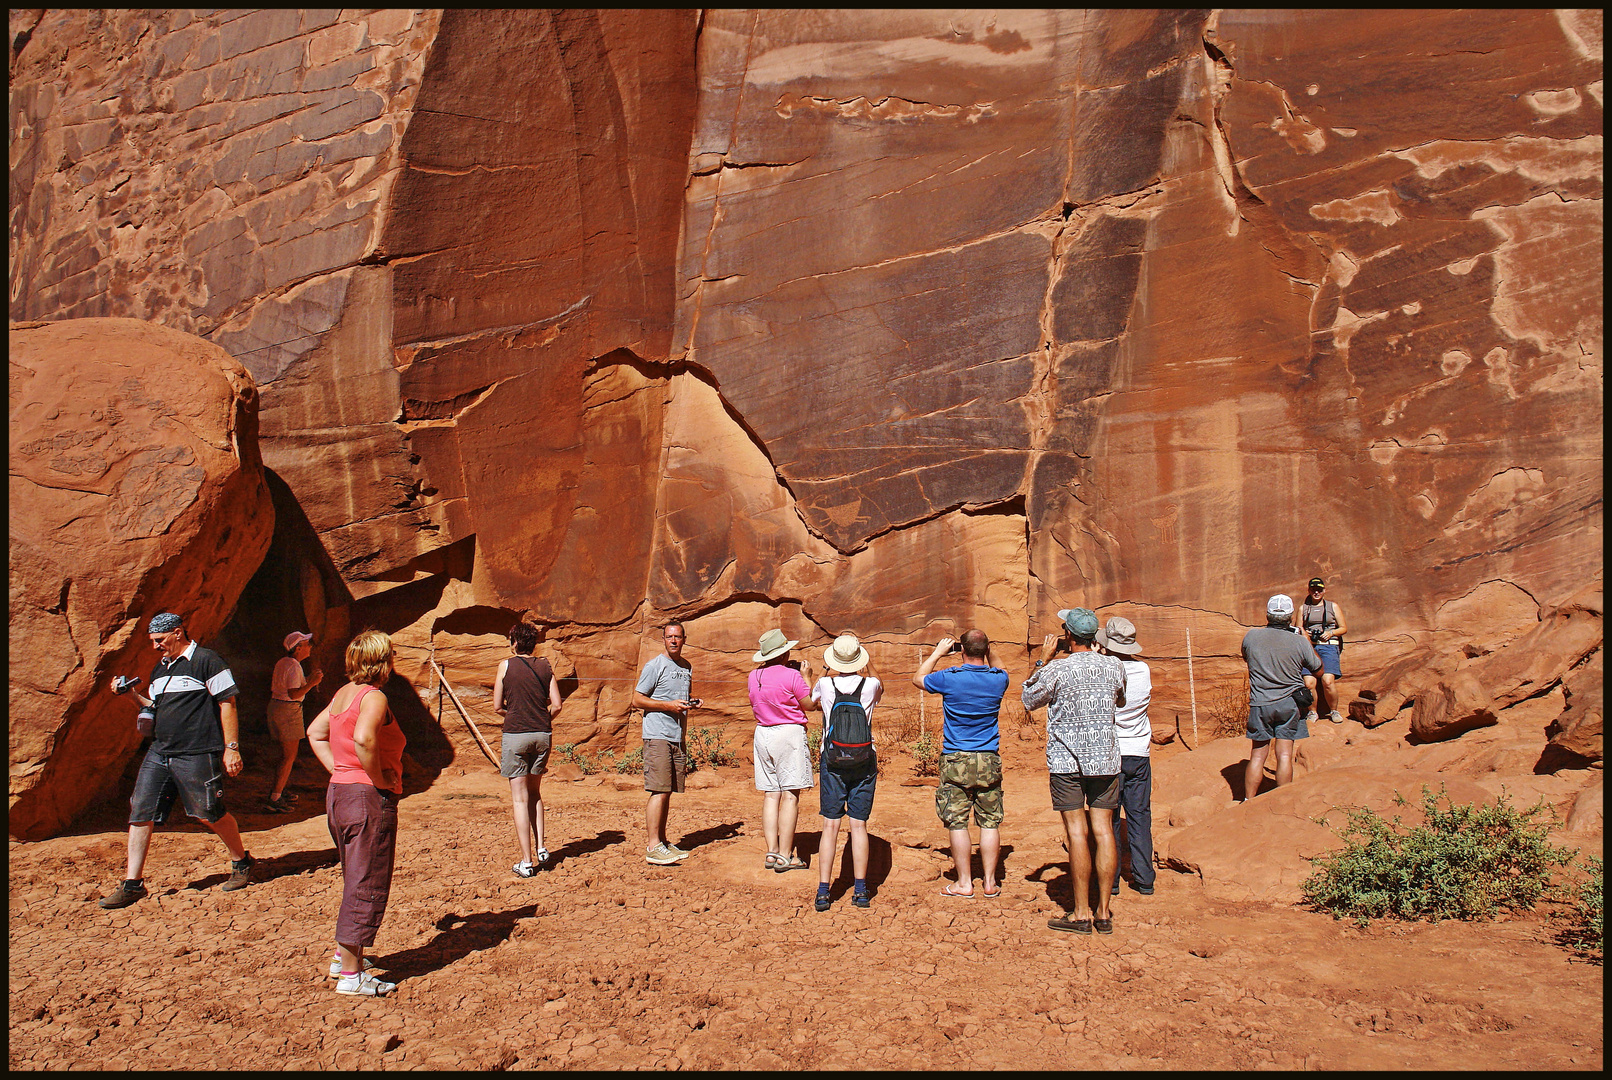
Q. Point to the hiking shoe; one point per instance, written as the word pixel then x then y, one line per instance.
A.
pixel 1337 717
pixel 335 965
pixel 277 806
pixel 861 899
pixel 240 873
pixel 1145 890
pixel 363 984
pixel 524 869
pixel 127 893
pixel 661 855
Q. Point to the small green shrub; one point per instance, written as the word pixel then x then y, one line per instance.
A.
pixel 708 746
pixel 1464 862
pixel 632 761
pixel 926 753
pixel 814 742
pixel 1586 916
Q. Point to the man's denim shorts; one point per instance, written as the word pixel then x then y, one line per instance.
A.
pixel 842 793
pixel 1282 720
pixel 198 780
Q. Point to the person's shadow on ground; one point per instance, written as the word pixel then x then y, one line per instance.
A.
pixel 458 936
pixel 573 848
pixel 710 835
pixel 880 857
pixel 276 866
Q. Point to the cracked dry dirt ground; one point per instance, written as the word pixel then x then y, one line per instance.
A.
pixel 606 962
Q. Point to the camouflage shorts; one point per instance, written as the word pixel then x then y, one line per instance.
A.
pixel 970 780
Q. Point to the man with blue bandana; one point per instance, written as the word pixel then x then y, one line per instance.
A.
pixel 194 742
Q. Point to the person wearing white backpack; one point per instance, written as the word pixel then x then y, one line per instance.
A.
pixel 848 768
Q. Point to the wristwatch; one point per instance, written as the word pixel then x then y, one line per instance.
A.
pixel 232 746
pixel 1040 663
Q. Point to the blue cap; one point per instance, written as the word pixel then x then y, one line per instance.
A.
pixel 1081 622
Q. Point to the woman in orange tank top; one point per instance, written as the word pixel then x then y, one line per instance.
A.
pixel 359 741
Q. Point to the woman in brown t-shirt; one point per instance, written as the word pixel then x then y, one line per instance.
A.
pixel 527 696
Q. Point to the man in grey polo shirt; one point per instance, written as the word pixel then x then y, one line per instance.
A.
pixel 664 692
pixel 1278 658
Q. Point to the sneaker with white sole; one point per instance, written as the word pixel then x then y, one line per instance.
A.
pixel 335 965
pixel 1310 717
pixel 661 855
pixel 675 850
pixel 1337 717
pixel 364 984
pixel 543 858
pixel 524 869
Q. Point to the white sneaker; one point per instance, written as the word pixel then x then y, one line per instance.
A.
pixel 543 858
pixel 363 984
pixel 524 869
pixel 1310 717
pixel 660 855
pixel 335 965
pixel 1337 717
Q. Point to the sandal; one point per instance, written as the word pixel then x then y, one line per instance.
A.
pixel 773 859
pixel 791 862
pixel 951 890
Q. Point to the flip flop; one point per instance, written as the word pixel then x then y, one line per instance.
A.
pixel 947 891
pixel 989 895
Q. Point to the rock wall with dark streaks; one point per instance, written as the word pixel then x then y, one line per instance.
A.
pixel 895 321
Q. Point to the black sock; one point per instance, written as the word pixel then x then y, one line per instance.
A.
pixel 134 883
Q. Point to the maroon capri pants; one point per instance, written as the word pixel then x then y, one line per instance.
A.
pixel 363 823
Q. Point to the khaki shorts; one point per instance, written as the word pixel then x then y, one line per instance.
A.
pixel 1072 791
pixel 524 754
pixel 782 761
pixel 970 781
pixel 285 720
pixel 665 765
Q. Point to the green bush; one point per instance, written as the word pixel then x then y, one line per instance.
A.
pixel 926 752
pixel 1464 862
pixel 1586 916
pixel 632 761
pixel 814 742
pixel 708 746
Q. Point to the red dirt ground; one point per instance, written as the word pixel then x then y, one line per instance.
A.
pixel 606 962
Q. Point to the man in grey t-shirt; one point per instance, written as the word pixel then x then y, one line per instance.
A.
pixel 665 693
pixel 1277 661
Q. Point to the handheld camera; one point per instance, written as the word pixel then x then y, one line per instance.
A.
pixel 124 683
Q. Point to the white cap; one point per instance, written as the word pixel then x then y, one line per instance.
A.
pixel 1280 604
pixel 295 638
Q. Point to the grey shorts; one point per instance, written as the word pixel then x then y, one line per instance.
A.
pixel 1072 791
pixel 197 780
pixel 285 720
pixel 665 765
pixel 1281 720
pixel 524 754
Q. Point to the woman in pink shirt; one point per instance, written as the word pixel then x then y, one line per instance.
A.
pixel 779 696
pixel 359 741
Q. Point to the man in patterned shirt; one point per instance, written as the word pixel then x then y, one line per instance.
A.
pixel 195 742
pixel 1081 692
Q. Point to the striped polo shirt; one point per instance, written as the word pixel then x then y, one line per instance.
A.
pixel 185 694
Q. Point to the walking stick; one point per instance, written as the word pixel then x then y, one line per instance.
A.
pixel 464 712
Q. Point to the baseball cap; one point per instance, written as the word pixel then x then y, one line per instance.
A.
pixel 1317 583
pixel 295 638
pixel 1081 622
pixel 1280 604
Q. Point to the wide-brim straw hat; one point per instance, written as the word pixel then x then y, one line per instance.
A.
pixel 846 654
pixel 773 643
pixel 1119 636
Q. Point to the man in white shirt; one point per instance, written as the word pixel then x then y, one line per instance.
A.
pixel 1134 733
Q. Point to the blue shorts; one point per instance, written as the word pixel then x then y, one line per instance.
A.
pixel 842 793
pixel 1330 654
pixel 1281 720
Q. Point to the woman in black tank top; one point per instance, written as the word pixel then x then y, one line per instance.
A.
pixel 527 696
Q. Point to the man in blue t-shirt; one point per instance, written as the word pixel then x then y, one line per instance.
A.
pixel 970 764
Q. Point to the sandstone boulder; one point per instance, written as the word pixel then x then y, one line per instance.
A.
pixel 1587 815
pixel 136 487
pixel 1459 703
pixel 1575 735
